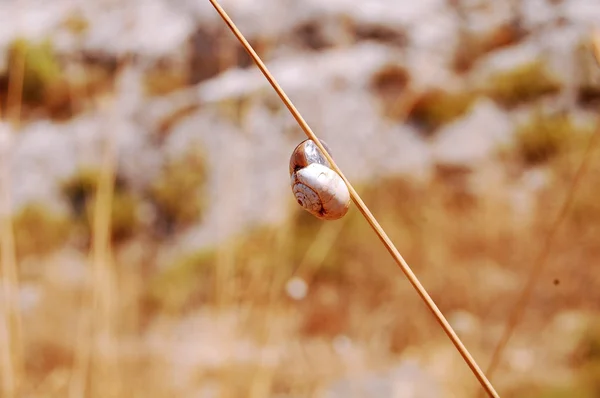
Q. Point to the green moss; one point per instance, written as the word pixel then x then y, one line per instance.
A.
pixel 80 191
pixel 545 136
pixel 436 108
pixel 39 231
pixel 522 84
pixel 178 193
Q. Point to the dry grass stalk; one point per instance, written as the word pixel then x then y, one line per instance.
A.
pixel 11 331
pixel 104 277
pixel 10 335
pixel 96 353
pixel 485 383
pixel 538 266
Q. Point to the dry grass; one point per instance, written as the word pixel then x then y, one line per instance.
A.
pixel 522 84
pixel 354 291
pixel 11 333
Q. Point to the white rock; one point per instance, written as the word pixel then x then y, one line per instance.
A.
pixel 538 13
pixel 42 156
pixel 306 73
pixel 30 19
pixel 473 138
pixel 152 28
pixel 483 17
pixel 385 12
pixel 407 380
pixel 582 12
pixel 438 33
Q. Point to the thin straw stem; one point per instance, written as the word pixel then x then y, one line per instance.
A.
pixel 12 358
pixel 485 383
pixel 519 309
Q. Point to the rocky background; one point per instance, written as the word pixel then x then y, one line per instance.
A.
pixel 156 245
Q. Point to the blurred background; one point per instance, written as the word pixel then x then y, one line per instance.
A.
pixel 151 246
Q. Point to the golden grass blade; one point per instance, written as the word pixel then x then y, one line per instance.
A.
pixel 11 333
pixel 104 278
pixel 485 383
pixel 538 266
pixel 9 312
pixel 96 352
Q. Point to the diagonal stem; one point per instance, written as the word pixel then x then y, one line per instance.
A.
pixel 485 383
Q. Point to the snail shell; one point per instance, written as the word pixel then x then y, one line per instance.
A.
pixel 317 188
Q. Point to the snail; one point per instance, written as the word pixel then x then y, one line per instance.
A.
pixel 317 188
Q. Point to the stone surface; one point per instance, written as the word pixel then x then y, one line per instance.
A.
pixel 406 380
pixel 475 137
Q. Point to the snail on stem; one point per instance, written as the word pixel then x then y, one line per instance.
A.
pixel 317 188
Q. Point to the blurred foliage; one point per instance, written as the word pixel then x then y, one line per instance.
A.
pixel 588 74
pixel 51 86
pixel 474 46
pixel 389 85
pixel 585 209
pixel 124 220
pixel 163 79
pixel 170 120
pixel 546 136
pixel 590 377
pixel 436 108
pixel 522 84
pixel 80 191
pixel 41 70
pixel 235 109
pixel 39 231
pixel 560 392
pixel 184 282
pixel 76 24
pixel 179 192
pixel 587 358
pixel 344 256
